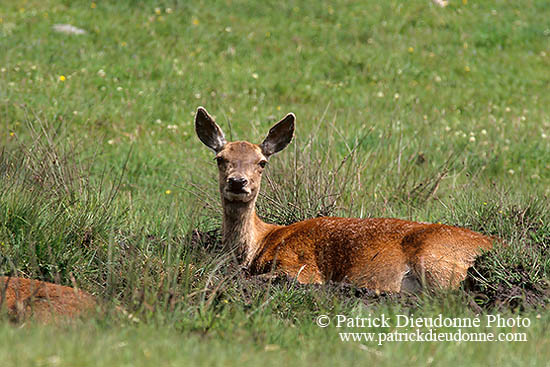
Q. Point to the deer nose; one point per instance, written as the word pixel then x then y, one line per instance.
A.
pixel 237 183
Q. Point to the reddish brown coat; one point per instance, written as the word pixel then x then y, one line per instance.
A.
pixel 24 298
pixel 378 253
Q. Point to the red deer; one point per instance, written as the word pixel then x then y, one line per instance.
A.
pixel 24 298
pixel 382 254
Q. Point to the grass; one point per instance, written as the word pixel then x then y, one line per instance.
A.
pixel 403 110
pixel 144 345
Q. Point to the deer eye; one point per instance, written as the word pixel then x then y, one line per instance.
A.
pixel 220 160
pixel 263 163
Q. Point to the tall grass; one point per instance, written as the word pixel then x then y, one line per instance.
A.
pixel 53 216
pixel 62 224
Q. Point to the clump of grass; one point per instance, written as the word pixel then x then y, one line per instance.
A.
pixel 515 274
pixel 53 217
pixel 311 181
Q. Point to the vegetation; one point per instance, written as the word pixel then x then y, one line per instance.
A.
pixel 404 109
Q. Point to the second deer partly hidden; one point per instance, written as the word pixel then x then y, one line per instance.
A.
pixel 381 254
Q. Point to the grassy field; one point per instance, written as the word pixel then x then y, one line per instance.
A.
pixel 404 109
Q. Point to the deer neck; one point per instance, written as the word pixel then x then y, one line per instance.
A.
pixel 243 230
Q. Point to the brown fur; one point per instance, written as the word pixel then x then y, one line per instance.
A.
pixel 382 254
pixel 43 301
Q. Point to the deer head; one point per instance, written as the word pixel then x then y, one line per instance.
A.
pixel 240 163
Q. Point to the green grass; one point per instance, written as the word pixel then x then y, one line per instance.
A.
pixel 404 109
pixel 270 345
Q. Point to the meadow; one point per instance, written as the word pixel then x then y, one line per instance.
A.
pixel 404 109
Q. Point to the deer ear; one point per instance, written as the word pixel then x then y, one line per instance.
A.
pixel 208 131
pixel 279 136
